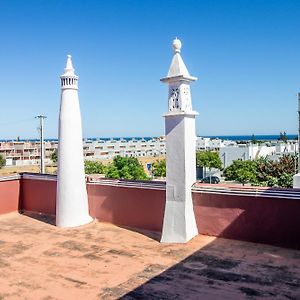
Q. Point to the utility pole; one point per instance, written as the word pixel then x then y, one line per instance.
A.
pixel 42 155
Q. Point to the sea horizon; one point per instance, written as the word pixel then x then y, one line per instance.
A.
pixel 266 137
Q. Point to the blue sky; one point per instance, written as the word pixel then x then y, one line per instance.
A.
pixel 244 53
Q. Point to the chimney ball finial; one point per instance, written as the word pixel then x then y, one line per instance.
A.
pixel 177 45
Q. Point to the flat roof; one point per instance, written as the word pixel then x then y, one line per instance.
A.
pixel 104 261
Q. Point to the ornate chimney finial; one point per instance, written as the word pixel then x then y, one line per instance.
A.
pixel 177 45
pixel 69 66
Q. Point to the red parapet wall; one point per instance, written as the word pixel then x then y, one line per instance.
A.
pixel 140 208
pixel 9 196
pixel 39 195
pixel 269 220
pixel 127 206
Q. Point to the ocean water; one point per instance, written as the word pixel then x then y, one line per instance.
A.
pixel 221 137
pixel 249 137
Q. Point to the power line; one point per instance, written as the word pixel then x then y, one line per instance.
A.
pixel 17 121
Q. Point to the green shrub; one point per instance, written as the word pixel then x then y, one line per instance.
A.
pixel 159 168
pixel 93 167
pixel 2 161
pixel 126 168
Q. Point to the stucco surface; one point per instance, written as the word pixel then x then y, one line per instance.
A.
pixel 103 261
pixel 9 196
pixel 71 198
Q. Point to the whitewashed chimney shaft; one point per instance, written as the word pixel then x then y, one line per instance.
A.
pixel 179 224
pixel 71 199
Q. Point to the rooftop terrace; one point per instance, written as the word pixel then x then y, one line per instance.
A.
pixel 119 256
pixel 104 261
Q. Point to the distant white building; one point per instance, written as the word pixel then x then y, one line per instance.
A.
pixel 20 153
pixel 126 148
pixel 28 153
pixel 212 144
pixel 253 151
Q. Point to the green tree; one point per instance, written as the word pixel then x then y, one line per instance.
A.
pixel 264 172
pixel 253 139
pixel 208 159
pixel 245 175
pixel 126 168
pixel 283 137
pixel 53 156
pixel 2 161
pixel 159 168
pixel 112 172
pixel 93 167
pixel 277 173
pixel 288 163
pixel 285 180
pixel 242 171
